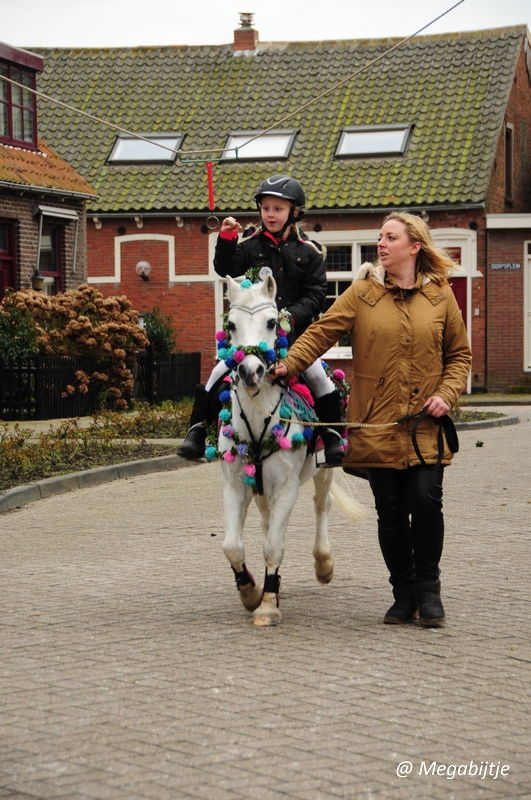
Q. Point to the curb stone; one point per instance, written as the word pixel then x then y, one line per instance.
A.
pixel 48 487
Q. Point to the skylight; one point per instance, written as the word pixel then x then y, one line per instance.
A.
pixel 130 150
pixel 276 144
pixel 375 140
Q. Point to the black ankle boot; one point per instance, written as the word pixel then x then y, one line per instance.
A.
pixel 328 409
pixel 193 446
pixel 332 447
pixel 404 609
pixel 431 611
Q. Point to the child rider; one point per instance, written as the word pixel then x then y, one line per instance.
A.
pixel 298 267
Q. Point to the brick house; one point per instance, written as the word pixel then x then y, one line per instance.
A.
pixel 440 127
pixel 42 198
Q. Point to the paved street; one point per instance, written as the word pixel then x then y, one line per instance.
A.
pixel 129 668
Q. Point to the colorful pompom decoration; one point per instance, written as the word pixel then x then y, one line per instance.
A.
pixel 250 470
pixel 239 355
pixel 249 481
pixel 246 284
pixel 210 453
pixel 263 347
pixel 228 456
pixel 284 443
pixel 339 374
pixel 297 437
pixel 225 415
pixel 307 433
pixel 242 449
pixel 224 396
pixel 277 430
pixel 220 336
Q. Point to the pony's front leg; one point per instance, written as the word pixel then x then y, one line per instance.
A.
pixel 322 552
pixel 236 499
pixel 279 503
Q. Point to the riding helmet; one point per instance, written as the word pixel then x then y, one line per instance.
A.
pixel 282 186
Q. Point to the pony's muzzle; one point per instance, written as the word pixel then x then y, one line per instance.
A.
pixel 252 372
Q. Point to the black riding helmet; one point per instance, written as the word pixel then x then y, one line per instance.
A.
pixel 286 188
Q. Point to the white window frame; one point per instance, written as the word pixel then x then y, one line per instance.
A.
pixel 374 129
pixel 173 140
pixel 239 138
pixel 527 305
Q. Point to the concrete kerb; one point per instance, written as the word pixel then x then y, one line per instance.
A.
pixel 22 495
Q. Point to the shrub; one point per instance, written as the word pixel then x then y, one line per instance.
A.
pixel 18 332
pixel 82 322
pixel 159 330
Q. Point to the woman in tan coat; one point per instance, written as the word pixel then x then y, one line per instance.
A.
pixel 410 350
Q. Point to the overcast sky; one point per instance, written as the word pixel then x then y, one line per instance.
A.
pixel 117 23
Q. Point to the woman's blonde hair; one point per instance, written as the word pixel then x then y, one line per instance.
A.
pixel 431 260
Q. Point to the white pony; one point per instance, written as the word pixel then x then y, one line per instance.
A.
pixel 264 462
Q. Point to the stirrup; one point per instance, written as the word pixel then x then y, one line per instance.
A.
pixel 338 455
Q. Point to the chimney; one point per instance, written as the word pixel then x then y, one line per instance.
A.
pixel 245 37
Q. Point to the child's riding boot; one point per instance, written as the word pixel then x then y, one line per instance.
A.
pixel 193 446
pixel 328 408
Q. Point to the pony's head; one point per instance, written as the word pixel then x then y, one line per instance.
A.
pixel 252 323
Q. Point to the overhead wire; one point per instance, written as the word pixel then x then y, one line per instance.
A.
pixel 272 127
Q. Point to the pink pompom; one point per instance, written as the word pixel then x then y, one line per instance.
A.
pixel 220 336
pixel 339 374
pixel 238 356
pixel 227 456
pixel 227 378
pixel 284 443
pixel 250 470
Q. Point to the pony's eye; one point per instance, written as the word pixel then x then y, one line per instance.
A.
pixel 231 326
pixel 271 324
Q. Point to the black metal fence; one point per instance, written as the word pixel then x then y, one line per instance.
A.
pixel 35 388
pixel 168 376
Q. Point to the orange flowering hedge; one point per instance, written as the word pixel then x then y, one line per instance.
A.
pixel 81 322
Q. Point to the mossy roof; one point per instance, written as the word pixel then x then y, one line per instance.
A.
pixel 40 169
pixel 453 88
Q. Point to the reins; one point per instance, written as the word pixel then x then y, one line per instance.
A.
pixel 445 424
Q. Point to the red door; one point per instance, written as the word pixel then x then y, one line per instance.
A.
pixel 7 257
pixel 459 287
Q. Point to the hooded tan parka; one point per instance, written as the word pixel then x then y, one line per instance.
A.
pixel 407 345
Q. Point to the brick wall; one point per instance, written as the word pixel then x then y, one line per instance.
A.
pixel 517 114
pixel 192 304
pixel 505 342
pixel 20 211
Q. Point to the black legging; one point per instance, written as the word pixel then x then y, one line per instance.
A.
pixel 410 521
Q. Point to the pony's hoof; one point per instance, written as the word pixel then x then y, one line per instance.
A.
pixel 325 578
pixel 267 613
pixel 324 569
pixel 251 596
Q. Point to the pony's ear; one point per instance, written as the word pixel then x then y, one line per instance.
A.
pixel 232 288
pixel 269 287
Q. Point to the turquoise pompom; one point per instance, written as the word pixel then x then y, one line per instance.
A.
pixel 297 437
pixel 224 415
pixel 210 453
pixel 246 284
pixel 249 480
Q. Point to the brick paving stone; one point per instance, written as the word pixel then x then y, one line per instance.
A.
pixel 129 668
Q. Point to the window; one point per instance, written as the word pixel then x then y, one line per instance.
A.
pixel 274 145
pixel 17 107
pixel 380 140
pixel 130 150
pixel 509 160
pixel 50 259
pixel 7 256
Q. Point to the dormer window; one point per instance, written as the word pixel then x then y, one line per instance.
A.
pixel 160 149
pixel 271 146
pixel 18 108
pixel 374 141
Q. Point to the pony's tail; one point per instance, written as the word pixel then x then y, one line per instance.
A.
pixel 350 507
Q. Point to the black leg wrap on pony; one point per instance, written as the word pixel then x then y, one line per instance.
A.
pixel 243 578
pixel 272 584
